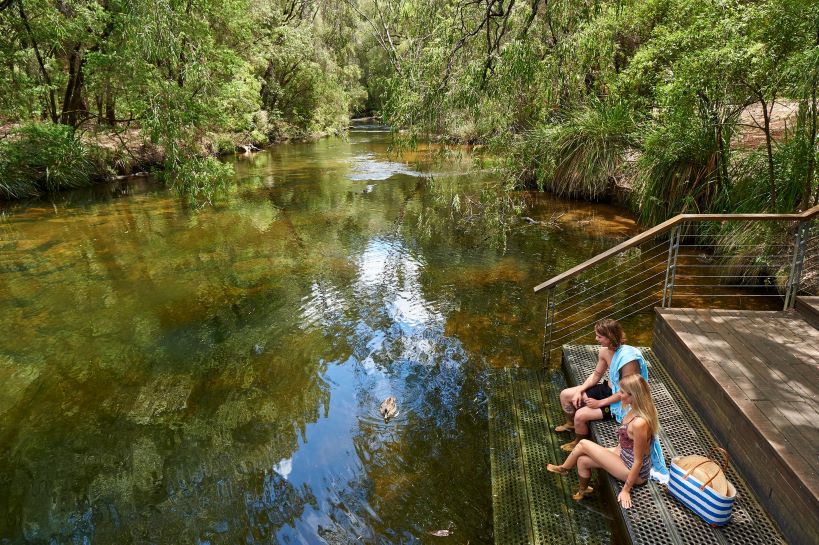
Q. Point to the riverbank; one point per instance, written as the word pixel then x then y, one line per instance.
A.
pixel 41 158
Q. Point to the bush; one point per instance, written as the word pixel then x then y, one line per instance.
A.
pixel 199 180
pixel 43 157
pixel 580 156
pixel 678 171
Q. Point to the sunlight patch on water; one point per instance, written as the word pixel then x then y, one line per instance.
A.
pixel 366 167
pixel 284 467
pixel 323 306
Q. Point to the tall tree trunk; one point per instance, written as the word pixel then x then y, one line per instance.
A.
pixel 110 108
pixel 766 115
pixel 811 167
pixel 51 103
pixel 811 170
pixel 72 101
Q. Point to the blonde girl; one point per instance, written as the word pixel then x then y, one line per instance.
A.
pixel 640 426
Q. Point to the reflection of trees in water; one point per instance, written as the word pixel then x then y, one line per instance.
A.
pixel 399 347
pixel 151 417
pixel 148 402
pixel 169 473
pixel 429 468
pixel 169 446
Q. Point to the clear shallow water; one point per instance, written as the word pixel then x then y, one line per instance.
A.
pixel 170 375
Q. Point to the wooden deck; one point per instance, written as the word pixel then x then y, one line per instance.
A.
pixel 754 378
pixel 808 308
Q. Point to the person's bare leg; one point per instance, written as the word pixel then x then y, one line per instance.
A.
pixel 582 417
pixel 596 456
pixel 566 396
pixel 593 456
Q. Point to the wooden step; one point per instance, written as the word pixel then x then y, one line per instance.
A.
pixel 808 307
pixel 754 378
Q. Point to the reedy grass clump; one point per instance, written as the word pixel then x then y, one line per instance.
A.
pixel 43 157
pixel 677 171
pixel 580 156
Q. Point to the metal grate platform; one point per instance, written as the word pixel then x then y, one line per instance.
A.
pixel 657 517
pixel 531 506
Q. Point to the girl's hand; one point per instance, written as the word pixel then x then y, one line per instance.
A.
pixel 577 400
pixel 593 403
pixel 624 498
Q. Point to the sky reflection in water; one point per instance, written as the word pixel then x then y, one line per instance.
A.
pixel 214 376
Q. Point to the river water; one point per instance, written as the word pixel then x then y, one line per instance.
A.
pixel 174 375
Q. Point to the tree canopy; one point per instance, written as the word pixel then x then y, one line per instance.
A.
pixel 679 100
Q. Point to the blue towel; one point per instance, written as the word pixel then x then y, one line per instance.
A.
pixel 623 355
pixel 659 471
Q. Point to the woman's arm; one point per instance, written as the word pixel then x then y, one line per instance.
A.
pixel 630 368
pixel 594 378
pixel 639 430
pixel 600 403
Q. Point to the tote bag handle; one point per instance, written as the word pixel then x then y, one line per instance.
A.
pixel 722 466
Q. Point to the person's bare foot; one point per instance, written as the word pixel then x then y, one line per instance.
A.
pixel 564 427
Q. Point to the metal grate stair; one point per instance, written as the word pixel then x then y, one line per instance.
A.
pixel 657 517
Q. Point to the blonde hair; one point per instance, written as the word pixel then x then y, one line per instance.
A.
pixel 641 402
pixel 612 330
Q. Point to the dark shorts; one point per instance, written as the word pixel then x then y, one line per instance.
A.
pixel 601 391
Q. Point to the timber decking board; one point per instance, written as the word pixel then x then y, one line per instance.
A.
pixel 658 518
pixel 808 307
pixel 764 348
pixel 754 376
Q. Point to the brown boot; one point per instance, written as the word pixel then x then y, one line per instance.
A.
pixel 566 426
pixel 583 489
pixel 568 447
pixel 560 470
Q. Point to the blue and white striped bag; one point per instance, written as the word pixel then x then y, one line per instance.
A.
pixel 712 506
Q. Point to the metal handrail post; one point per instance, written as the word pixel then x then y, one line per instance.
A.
pixel 800 241
pixel 550 320
pixel 671 265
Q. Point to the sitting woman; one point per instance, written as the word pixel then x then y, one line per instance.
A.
pixel 638 430
pixel 592 401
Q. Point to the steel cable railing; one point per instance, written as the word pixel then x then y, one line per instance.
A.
pixel 719 261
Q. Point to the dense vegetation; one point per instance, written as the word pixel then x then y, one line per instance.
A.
pixel 672 99
pixel 661 96
pixel 193 77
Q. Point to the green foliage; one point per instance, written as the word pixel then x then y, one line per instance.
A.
pixel 185 73
pixel 42 157
pixel 200 180
pixel 580 156
pixel 677 171
pixel 566 91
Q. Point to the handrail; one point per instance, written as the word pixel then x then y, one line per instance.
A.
pixel 662 228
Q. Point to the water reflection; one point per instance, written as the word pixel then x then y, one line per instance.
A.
pixel 214 376
pixel 367 167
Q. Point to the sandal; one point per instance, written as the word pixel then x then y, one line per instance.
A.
pixel 564 427
pixel 580 494
pixel 560 470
